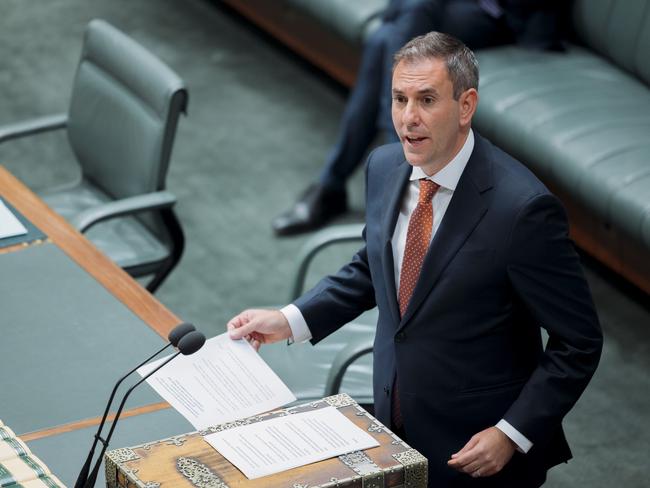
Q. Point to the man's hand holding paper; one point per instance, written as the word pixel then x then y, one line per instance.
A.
pixel 226 380
pixel 259 327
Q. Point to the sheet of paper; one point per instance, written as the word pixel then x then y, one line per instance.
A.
pixel 225 380
pixel 10 226
pixel 282 443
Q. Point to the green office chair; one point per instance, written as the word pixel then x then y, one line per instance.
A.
pixel 121 124
pixel 342 361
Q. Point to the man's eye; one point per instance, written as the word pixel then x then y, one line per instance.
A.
pixel 429 100
pixel 399 99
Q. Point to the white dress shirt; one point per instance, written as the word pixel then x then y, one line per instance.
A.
pixel 447 178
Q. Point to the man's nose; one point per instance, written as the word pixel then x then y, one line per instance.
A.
pixel 411 116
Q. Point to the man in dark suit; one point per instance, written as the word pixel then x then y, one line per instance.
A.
pixel 466 256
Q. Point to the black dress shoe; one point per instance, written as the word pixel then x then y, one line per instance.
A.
pixel 313 209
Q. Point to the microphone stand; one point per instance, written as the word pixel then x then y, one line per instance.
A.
pixel 83 475
pixel 90 481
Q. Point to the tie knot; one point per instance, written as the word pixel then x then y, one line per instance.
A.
pixel 428 188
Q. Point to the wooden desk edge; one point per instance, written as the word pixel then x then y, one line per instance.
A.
pixel 92 422
pixel 119 283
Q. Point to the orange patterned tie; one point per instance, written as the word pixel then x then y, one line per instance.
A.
pixel 418 238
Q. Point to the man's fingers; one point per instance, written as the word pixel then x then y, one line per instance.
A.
pixel 238 321
pixel 484 455
pixel 265 326
pixel 242 330
pixel 472 467
pixel 463 460
pixel 470 445
pixel 483 472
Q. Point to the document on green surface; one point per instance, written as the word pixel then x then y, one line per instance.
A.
pixel 10 226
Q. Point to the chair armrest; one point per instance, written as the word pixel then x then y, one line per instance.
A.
pixel 125 206
pixel 342 362
pixel 319 241
pixel 33 126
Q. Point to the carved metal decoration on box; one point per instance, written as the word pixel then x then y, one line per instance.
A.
pixel 188 461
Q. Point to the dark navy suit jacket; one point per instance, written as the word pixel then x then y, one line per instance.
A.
pixel 468 351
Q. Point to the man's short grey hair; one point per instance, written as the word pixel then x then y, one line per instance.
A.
pixel 460 60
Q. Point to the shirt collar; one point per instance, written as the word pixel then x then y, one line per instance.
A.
pixel 449 175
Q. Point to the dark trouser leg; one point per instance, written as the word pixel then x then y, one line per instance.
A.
pixel 467 21
pixel 368 107
pixel 357 128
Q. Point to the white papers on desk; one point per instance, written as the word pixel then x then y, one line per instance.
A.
pixel 10 226
pixel 282 443
pixel 225 380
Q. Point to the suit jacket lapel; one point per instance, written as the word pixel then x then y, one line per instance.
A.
pixel 394 193
pixel 465 210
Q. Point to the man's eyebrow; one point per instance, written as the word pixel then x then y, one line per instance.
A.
pixel 423 91
pixel 428 91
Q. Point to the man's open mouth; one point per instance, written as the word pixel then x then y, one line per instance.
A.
pixel 415 140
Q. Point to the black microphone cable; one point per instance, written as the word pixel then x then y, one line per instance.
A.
pixel 188 344
pixel 175 335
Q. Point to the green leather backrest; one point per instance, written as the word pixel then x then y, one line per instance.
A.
pixel 617 29
pixel 123 113
pixel 350 18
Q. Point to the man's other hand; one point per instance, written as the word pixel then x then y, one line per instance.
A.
pixel 485 454
pixel 259 327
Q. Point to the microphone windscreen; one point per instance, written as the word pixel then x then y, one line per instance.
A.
pixel 191 342
pixel 177 333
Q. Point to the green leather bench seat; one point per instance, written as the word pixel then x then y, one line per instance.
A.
pixel 578 123
pixel 329 33
pixel 351 19
pixel 581 121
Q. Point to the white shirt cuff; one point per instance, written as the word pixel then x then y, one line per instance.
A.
pixel 523 444
pixel 299 329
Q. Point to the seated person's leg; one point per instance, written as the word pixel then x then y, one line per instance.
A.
pixel 474 25
pixel 327 198
pixel 415 17
pixel 358 124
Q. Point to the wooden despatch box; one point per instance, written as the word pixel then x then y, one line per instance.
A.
pixel 189 461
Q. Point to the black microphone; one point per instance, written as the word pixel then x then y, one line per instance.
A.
pixel 188 344
pixel 174 337
pixel 178 332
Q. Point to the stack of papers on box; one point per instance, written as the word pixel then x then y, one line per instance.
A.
pixel 227 380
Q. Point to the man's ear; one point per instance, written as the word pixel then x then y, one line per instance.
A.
pixel 468 101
